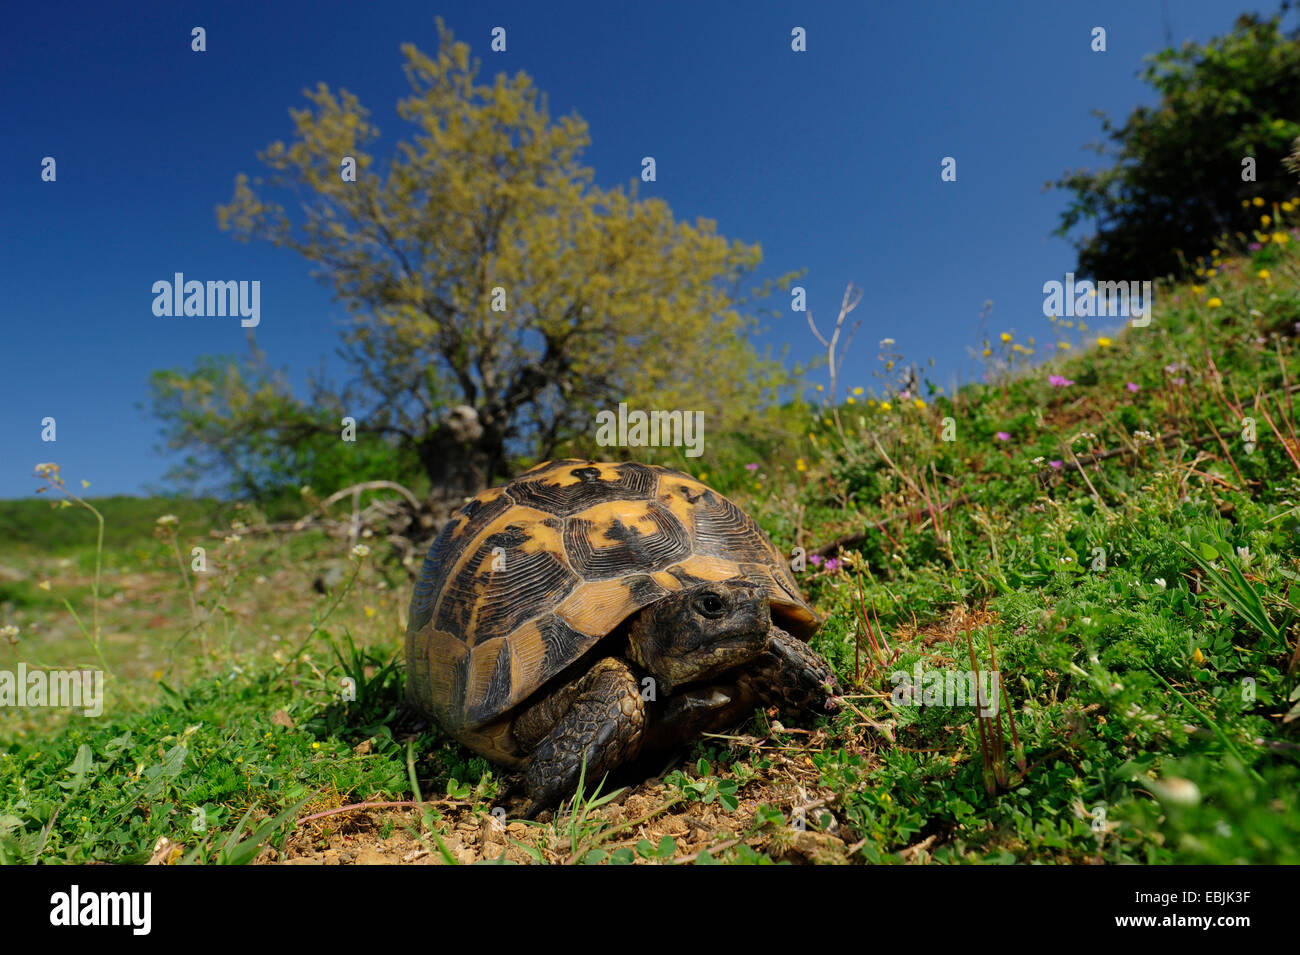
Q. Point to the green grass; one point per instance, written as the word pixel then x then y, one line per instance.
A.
pixel 1142 607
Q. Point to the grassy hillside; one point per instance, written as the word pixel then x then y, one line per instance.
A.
pixel 1115 532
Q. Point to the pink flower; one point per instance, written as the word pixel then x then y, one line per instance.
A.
pixel 1132 386
pixel 1002 436
pixel 1180 382
pixel 1254 247
pixel 833 563
pixel 752 466
pixel 1055 465
pixel 1059 381
pixel 815 560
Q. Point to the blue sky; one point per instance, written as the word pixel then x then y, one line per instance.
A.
pixel 829 159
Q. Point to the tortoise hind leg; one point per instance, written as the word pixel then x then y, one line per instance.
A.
pixel 600 718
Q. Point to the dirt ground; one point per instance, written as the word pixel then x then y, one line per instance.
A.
pixel 649 811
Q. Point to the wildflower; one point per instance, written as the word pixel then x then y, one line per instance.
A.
pixel 233 539
pixel 1160 582
pixel 1281 238
pixel 1245 556
pixel 1143 437
pixel 1064 346
pixel 987 352
pixel 1198 657
pixel 1180 382
pixel 1006 337
pixel 315 745
pixel 850 400
pixel 1002 435
pixel 10 633
pixel 886 343
pixel 1262 273
pixel 305 490
pixel 858 390
pixel 167 519
pixel 919 402
pixel 1037 460
pixel 819 388
pixel 751 466
pixel 369 611
pixel 1215 302
pixel 360 552
pixel 1132 386
pixel 44 585
pixel 800 465
pixel 833 564
pixel 815 560
pixel 885 406
pixel 1059 381
pixel 1198 289
pixel 1265 221
pixel 1257 201
pixel 1254 247
pixel 1055 465
pixel 704 475
pixel 1103 342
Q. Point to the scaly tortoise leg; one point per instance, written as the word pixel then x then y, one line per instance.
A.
pixel 599 717
pixel 791 675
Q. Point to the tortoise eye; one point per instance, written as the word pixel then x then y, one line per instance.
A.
pixel 709 605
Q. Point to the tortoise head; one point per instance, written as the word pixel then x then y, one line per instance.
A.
pixel 701 631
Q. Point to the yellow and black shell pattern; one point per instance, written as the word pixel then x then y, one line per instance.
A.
pixel 527 577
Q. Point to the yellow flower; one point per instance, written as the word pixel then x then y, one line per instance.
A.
pixel 44 585
pixel 871 402
pixel 1287 207
pixel 799 464
pixel 1212 273
pixel 1281 238
pixel 1214 252
pixel 1064 346
pixel 1198 289
pixel 1017 347
pixel 1257 201
pixel 885 406
pixel 315 745
pixel 1200 273
pixel 1006 337
pixel 850 400
pixel 1245 203
pixel 369 611
pixel 1103 342
pixel 919 402
pixel 857 390
pixel 987 352
pixel 1215 302
pixel 819 387
pixel 1265 221
pixel 704 475
pixel 1262 273
pixel 1198 657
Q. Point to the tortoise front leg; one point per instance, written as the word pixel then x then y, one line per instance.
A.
pixel 600 718
pixel 791 675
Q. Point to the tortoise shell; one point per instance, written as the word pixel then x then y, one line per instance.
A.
pixel 529 576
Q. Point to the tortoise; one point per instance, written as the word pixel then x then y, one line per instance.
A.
pixel 592 610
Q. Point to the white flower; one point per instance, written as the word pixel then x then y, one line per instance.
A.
pixel 1245 556
pixel 10 633
pixel 167 519
pixel 361 552
pixel 886 343
pixel 233 539
pixel 1160 582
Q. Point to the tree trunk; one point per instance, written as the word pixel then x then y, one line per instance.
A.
pixel 461 458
